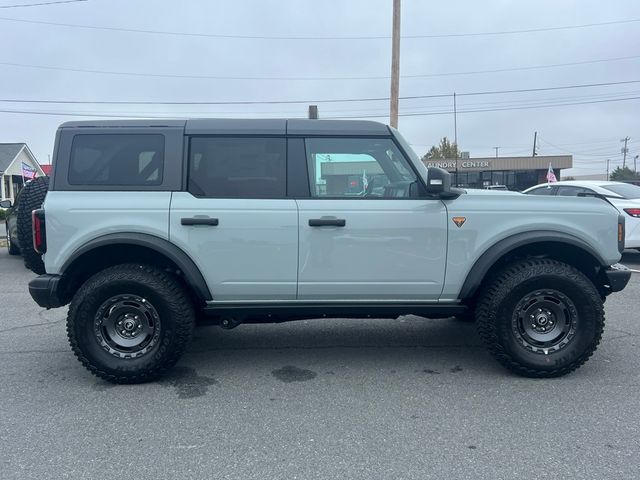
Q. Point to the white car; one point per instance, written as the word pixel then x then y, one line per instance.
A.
pixel 624 196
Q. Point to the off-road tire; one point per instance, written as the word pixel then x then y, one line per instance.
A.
pixel 31 198
pixel 11 246
pixel 163 291
pixel 497 317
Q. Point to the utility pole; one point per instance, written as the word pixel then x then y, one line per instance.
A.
pixel 395 65
pixel 535 140
pixel 624 151
pixel 608 160
pixel 455 132
pixel 497 148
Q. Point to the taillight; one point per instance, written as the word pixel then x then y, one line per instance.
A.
pixel 634 212
pixel 39 231
pixel 621 222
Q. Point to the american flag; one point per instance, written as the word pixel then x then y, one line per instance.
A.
pixel 28 171
pixel 551 177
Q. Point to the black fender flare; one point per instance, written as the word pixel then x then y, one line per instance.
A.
pixel 490 256
pixel 191 272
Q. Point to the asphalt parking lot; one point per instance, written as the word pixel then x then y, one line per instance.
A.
pixel 406 398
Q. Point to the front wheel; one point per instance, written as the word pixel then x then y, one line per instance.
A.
pixel 540 318
pixel 130 323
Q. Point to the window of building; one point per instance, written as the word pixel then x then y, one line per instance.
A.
pixel 357 168
pixel 238 167
pixel 117 160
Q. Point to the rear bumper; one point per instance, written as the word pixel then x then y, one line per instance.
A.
pixel 44 289
pixel 617 277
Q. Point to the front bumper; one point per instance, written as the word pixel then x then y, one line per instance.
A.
pixel 617 277
pixel 45 290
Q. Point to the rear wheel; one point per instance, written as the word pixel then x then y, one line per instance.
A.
pixel 130 323
pixel 31 198
pixel 540 318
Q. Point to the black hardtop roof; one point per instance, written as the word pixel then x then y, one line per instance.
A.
pixel 236 126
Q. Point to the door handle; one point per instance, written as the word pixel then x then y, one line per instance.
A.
pixel 211 222
pixel 327 222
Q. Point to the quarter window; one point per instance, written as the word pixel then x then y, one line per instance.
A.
pixel 357 168
pixel 238 167
pixel 117 160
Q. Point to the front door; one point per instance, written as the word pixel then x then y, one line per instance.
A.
pixel 235 221
pixel 363 234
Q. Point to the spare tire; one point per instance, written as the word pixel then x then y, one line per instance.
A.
pixel 31 198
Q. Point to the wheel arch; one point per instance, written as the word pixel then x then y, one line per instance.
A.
pixel 558 245
pixel 107 250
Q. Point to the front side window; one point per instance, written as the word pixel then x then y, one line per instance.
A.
pixel 117 160
pixel 238 167
pixel 357 168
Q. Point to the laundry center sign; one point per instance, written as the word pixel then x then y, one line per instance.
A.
pixel 451 164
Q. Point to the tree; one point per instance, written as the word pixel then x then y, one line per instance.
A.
pixel 624 174
pixel 444 150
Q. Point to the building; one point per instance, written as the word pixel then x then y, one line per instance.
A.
pixel 593 176
pixel 517 173
pixel 17 164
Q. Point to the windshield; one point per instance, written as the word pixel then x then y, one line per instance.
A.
pixel 626 190
pixel 410 152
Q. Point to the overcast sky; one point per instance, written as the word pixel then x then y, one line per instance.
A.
pixel 591 132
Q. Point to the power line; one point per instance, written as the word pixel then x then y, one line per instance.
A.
pixel 313 101
pixel 41 4
pixel 411 114
pixel 347 37
pixel 449 112
pixel 338 78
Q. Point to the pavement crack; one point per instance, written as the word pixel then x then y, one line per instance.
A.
pixel 31 325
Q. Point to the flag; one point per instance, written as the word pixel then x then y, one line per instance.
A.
pixel 365 182
pixel 28 171
pixel 551 177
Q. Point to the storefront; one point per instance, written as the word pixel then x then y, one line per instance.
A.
pixel 517 173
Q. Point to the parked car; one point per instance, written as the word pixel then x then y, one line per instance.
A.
pixel 11 224
pixel 496 187
pixel 151 225
pixel 624 196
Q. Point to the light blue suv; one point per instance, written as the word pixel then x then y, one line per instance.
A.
pixel 149 226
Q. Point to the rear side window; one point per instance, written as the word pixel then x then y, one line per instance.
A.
pixel 569 191
pixel 117 160
pixel 238 167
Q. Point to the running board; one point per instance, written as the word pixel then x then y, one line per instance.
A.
pixel 282 312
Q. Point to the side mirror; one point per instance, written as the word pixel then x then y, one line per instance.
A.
pixel 439 184
pixel 438 181
pixel 5 204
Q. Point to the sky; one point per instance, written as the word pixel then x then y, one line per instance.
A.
pixel 164 67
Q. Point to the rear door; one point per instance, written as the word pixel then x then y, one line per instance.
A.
pixel 235 221
pixel 363 235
